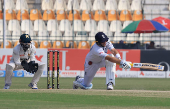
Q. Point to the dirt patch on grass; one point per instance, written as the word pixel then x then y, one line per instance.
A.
pixel 139 93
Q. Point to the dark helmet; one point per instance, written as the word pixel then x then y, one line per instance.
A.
pixel 100 37
pixel 25 38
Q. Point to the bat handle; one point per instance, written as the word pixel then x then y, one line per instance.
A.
pixel 131 64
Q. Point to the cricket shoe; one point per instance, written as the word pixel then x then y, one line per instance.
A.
pixel 79 84
pixel 33 86
pixel 74 85
pixel 6 86
pixel 110 86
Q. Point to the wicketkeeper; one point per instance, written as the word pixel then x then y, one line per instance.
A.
pixel 97 58
pixel 23 57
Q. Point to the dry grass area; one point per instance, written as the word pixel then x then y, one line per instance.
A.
pixel 137 93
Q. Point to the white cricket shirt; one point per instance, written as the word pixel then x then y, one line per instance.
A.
pixel 97 53
pixel 19 54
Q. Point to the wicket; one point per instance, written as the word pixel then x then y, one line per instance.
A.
pixel 53 69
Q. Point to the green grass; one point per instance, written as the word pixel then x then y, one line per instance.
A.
pixel 130 93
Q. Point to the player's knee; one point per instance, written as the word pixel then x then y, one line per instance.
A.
pixel 9 67
pixel 41 67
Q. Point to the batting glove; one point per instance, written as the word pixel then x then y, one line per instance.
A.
pixel 125 65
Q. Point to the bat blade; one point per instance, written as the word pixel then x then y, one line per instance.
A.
pixel 148 66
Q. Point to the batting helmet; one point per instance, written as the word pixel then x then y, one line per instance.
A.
pixel 25 38
pixel 100 37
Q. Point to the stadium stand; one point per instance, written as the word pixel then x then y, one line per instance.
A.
pixel 55 35
pixel 48 15
pixel 116 26
pixel 16 35
pixel 58 44
pixel 0 7
pixel 126 23
pixel 35 14
pixel 16 43
pixel 22 5
pixel 47 4
pixel 83 45
pixel 76 15
pixel 98 5
pixel 23 15
pixel 123 5
pixel 103 25
pixel 90 25
pixel 45 44
pixel 73 4
pixel 1 25
pixel 137 15
pixel 1 15
pixel 111 5
pixel 68 35
pixel 87 15
pixel 60 5
pixel 26 25
pixel 65 25
pixel 132 37
pixel 39 25
pixel 43 35
pixel 9 4
pixel 92 43
pixel 78 25
pixel 113 15
pixel 35 43
pixel 100 15
pixel 82 35
pixel 119 36
pixel 8 44
pixel 13 25
pixel 125 15
pixel 65 20
pixel 10 15
pixel 86 5
pixel 52 25
pixel 61 15
pixel 71 44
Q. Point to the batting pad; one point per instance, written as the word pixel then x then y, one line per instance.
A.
pixel 110 71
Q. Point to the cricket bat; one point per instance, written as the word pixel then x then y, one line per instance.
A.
pixel 148 66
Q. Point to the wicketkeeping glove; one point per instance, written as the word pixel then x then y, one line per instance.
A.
pixel 25 65
pixel 125 65
pixel 33 66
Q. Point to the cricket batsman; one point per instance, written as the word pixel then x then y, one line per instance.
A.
pixel 23 57
pixel 97 58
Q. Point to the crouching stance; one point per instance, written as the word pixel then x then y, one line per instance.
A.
pixel 23 57
pixel 97 58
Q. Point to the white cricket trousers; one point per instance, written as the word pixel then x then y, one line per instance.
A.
pixel 90 71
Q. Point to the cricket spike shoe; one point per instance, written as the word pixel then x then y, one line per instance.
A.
pixel 74 86
pixel 110 86
pixel 6 86
pixel 33 86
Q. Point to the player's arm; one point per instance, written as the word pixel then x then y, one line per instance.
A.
pixel 16 56
pixel 122 63
pixel 113 50
pixel 112 59
pixel 115 53
pixel 33 53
